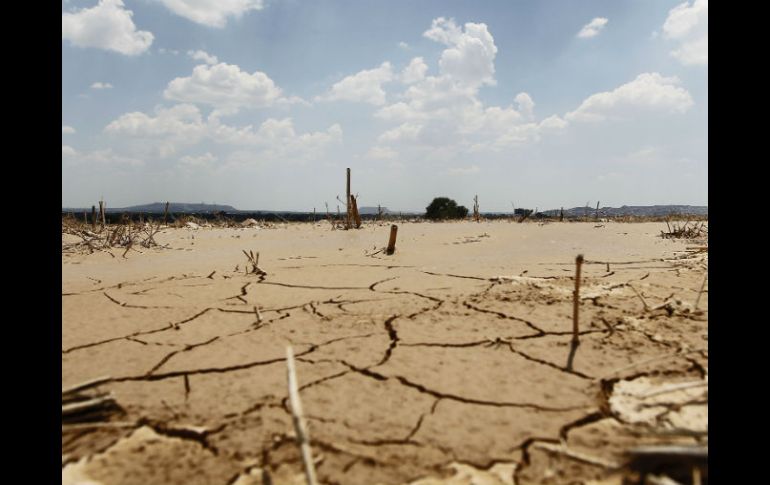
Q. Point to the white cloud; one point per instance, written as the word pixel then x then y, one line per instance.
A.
pixel 205 160
pixel 415 71
pixel 162 50
pixel 203 56
pixel 184 120
pixel 212 13
pixel 443 113
pixel 67 130
pixel 403 45
pixel 107 26
pixel 225 87
pixel 101 85
pixel 469 58
pixel 183 125
pixel 688 25
pixel 592 28
pixel 464 170
pixel 526 105
pixel 695 52
pixel 553 122
pixel 98 157
pixel 364 86
pixel 649 92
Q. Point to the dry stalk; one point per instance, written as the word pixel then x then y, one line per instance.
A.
pixel 576 298
pixel 299 421
pixel 254 261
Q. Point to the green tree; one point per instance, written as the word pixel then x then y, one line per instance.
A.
pixel 445 208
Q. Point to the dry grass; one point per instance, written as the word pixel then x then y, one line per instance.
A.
pixel 126 234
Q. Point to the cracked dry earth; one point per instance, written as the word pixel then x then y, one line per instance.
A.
pixel 448 362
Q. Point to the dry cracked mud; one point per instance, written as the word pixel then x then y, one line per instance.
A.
pixel 443 363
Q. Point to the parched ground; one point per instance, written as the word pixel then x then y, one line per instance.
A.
pixel 448 362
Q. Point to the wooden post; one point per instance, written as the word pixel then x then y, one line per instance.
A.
pixel 347 202
pixel 597 211
pixel 576 298
pixel 313 214
pixel 101 212
pixel 356 215
pixel 561 215
pixel 392 241
pixel 476 208
pixel 93 217
pixel 165 214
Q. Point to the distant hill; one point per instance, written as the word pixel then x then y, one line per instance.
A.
pixel 372 210
pixel 175 207
pixel 634 210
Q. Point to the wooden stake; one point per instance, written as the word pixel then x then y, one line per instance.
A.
pixel 576 298
pixel 347 202
pixel 165 214
pixel 597 211
pixel 561 215
pixel 93 217
pixel 392 241
pixel 299 422
pixel 101 212
pixel 356 215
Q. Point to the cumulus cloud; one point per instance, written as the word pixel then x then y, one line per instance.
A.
pixel 212 13
pixel 443 112
pixel 99 157
pixel 67 130
pixel 403 45
pixel 225 87
pixel 364 86
pixel 200 55
pixel 648 93
pixel 107 26
pixel 184 125
pixel 469 57
pixel 526 105
pixel 415 71
pixel 182 119
pixel 687 24
pixel 101 85
pixel 592 28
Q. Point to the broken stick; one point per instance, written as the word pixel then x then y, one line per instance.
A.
pixel 576 298
pixel 356 215
pixel 299 421
pixel 347 203
pixel 392 241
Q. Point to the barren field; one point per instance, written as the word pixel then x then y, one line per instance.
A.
pixel 448 362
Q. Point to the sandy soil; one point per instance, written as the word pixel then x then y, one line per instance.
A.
pixel 448 362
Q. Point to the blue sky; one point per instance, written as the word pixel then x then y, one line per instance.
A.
pixel 262 104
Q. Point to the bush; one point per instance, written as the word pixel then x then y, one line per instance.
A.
pixel 445 208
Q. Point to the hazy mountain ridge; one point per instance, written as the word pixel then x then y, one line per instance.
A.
pixel 633 210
